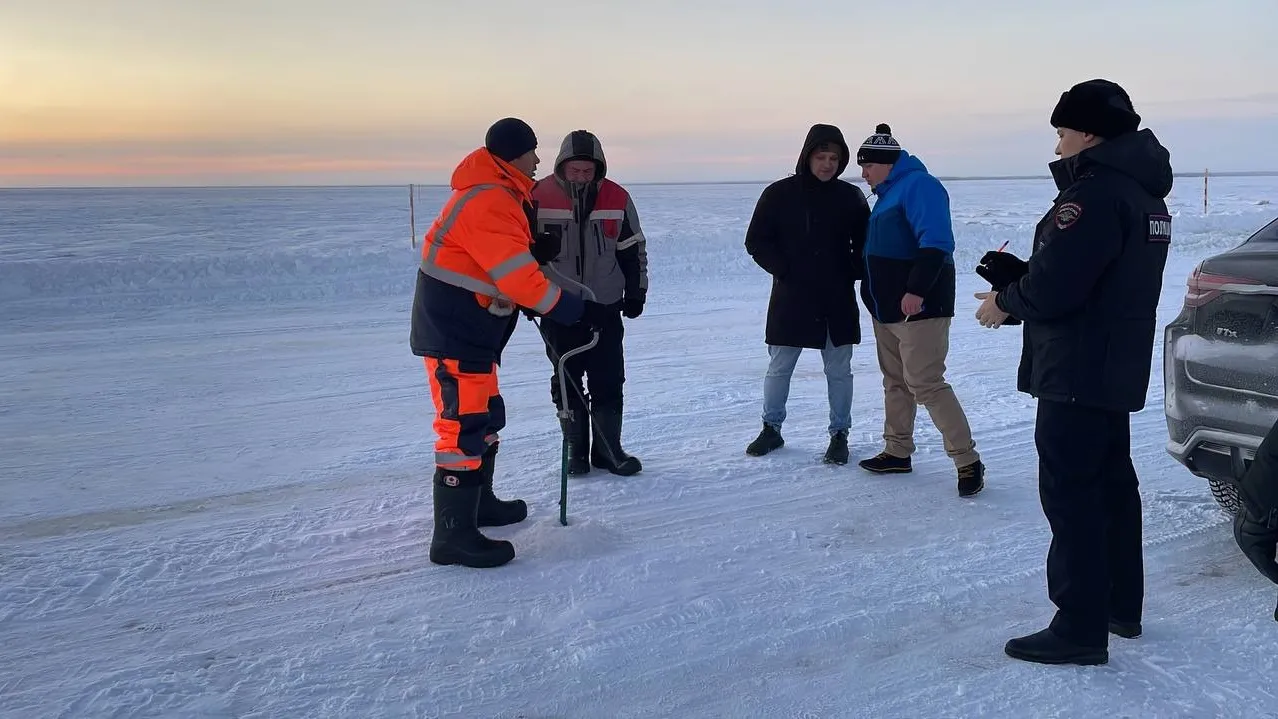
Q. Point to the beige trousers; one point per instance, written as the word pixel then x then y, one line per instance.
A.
pixel 912 358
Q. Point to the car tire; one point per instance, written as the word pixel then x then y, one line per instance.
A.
pixel 1226 494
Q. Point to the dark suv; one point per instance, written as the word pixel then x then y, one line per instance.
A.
pixel 1220 364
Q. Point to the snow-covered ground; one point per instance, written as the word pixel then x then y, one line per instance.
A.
pixel 215 453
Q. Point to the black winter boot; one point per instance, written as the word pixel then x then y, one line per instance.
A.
pixel 494 512
pixel 769 439
pixel 605 451
pixel 837 452
pixel 457 539
pixel 971 479
pixel 1048 647
pixel 1126 630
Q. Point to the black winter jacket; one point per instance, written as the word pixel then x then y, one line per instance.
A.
pixel 1089 300
pixel 809 235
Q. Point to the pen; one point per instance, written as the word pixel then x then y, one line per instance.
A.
pixel 1004 246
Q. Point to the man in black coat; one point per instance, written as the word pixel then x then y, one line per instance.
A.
pixel 1088 300
pixel 808 231
pixel 1256 524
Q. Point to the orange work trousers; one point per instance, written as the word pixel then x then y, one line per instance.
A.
pixel 469 411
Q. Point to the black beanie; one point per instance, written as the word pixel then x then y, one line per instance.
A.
pixel 879 148
pixel 1099 107
pixel 510 138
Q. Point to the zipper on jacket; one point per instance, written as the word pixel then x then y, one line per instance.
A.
pixel 581 242
pixel 873 298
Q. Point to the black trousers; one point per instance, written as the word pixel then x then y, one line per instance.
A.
pixel 1089 491
pixel 603 365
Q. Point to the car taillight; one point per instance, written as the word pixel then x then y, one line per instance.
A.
pixel 1206 286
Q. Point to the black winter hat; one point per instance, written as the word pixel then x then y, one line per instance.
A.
pixel 509 138
pixel 880 148
pixel 1099 107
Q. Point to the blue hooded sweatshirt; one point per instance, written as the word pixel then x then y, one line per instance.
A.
pixel 910 245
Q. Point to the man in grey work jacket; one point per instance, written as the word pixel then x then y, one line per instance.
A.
pixel 602 247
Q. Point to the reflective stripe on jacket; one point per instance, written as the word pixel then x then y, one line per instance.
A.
pixel 476 263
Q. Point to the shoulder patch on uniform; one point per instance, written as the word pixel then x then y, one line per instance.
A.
pixel 1159 228
pixel 1067 214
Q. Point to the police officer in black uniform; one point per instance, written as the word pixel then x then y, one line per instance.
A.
pixel 1087 300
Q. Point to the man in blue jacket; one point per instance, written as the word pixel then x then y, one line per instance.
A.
pixel 909 291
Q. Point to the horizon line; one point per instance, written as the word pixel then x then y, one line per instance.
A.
pixel 648 183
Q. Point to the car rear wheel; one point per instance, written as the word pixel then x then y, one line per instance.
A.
pixel 1226 494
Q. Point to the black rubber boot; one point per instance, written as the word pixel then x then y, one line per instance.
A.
pixel 494 512
pixel 577 436
pixel 605 451
pixel 457 539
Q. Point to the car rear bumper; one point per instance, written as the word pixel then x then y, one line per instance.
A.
pixel 1214 430
pixel 1215 453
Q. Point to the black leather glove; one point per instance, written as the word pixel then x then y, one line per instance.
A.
pixel 546 247
pixel 596 316
pixel 1259 542
pixel 632 305
pixel 1001 269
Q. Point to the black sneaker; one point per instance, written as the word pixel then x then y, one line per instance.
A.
pixel 837 452
pixel 971 479
pixel 768 440
pixel 884 463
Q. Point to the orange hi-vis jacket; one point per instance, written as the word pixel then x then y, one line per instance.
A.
pixel 476 262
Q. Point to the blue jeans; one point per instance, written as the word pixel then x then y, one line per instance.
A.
pixel 838 379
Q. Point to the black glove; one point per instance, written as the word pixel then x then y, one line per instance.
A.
pixel 632 305
pixel 1001 269
pixel 1258 541
pixel 596 316
pixel 546 247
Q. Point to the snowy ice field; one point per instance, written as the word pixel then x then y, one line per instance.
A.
pixel 215 453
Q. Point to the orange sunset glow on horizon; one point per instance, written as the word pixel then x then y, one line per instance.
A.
pixel 390 91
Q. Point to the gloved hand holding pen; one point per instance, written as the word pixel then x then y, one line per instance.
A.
pixel 1001 269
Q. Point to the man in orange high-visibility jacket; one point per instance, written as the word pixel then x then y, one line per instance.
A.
pixel 477 267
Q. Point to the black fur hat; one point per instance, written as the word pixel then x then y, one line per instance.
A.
pixel 1099 107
